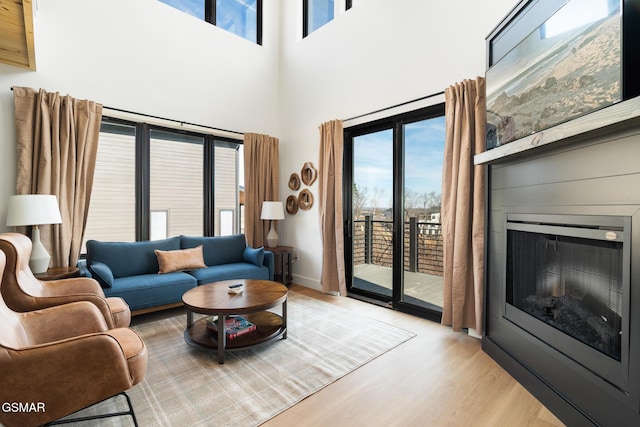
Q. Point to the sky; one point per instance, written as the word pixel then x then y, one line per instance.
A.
pixel 230 14
pixel 424 152
pixel 192 7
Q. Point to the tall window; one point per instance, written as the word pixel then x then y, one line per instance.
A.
pixel 176 183
pixel 112 211
pixel 240 17
pixel 227 188
pixel 315 13
pixel 152 183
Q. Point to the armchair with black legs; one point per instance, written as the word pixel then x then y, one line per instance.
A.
pixel 58 360
pixel 22 291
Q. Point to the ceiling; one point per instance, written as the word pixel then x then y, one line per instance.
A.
pixel 16 33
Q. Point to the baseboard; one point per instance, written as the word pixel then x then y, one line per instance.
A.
pixel 307 282
pixel 473 333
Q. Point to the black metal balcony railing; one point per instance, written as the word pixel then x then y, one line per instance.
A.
pixel 373 244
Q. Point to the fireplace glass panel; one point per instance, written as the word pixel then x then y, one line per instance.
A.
pixel 572 284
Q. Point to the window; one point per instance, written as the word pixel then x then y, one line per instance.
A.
pixel 112 211
pixel 191 7
pixel 152 183
pixel 158 225
pixel 228 157
pixel 315 13
pixel 240 17
pixel 226 222
pixel 176 181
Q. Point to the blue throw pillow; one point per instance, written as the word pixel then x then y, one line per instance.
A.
pixel 102 273
pixel 253 256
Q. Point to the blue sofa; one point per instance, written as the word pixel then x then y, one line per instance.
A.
pixel 130 269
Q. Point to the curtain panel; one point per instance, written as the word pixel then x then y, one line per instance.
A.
pixel 330 206
pixel 261 173
pixel 57 142
pixel 463 205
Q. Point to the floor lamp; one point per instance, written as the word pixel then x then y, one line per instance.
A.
pixel 34 209
pixel 272 211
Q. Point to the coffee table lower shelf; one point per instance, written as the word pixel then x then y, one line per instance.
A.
pixel 269 326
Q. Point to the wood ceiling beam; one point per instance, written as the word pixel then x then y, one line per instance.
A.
pixel 17 45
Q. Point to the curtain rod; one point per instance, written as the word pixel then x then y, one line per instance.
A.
pixel 169 120
pixel 394 106
pixel 172 120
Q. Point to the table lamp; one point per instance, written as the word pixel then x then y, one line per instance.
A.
pixel 272 211
pixel 34 209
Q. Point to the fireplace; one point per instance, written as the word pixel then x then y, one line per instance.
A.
pixel 567 283
pixel 562 267
pixel 563 274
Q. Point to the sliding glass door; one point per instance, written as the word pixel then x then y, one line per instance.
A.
pixel 372 212
pixel 393 179
pixel 423 152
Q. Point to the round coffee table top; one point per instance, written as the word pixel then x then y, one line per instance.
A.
pixel 214 297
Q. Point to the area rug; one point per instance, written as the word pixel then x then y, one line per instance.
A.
pixel 187 387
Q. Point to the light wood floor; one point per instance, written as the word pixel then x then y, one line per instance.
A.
pixel 439 378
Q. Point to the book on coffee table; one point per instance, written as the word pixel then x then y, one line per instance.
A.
pixel 234 326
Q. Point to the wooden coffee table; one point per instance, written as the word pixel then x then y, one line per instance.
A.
pixel 257 297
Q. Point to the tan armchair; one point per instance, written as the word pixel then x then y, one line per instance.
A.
pixel 22 292
pixel 58 360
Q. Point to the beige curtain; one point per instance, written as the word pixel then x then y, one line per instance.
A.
pixel 330 206
pixel 463 206
pixel 57 142
pixel 261 170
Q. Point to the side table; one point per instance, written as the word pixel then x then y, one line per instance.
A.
pixel 282 258
pixel 56 273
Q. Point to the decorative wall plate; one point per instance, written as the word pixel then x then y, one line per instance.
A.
pixel 292 205
pixel 305 200
pixel 294 182
pixel 308 173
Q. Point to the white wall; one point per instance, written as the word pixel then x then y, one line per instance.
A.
pixel 144 56
pixel 378 54
pixel 147 57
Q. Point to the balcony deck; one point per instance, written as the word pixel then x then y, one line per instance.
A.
pixel 422 286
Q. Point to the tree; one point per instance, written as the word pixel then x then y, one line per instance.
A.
pixel 378 193
pixel 358 199
pixel 430 200
pixel 411 199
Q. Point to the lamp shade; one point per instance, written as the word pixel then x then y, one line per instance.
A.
pixel 272 210
pixel 33 209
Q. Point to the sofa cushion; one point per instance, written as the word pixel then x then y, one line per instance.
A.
pixel 180 260
pixel 102 273
pixel 238 270
pixel 253 255
pixel 219 249
pixel 151 290
pixel 129 258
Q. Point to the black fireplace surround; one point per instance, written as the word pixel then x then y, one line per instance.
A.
pixel 563 277
pixel 562 299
